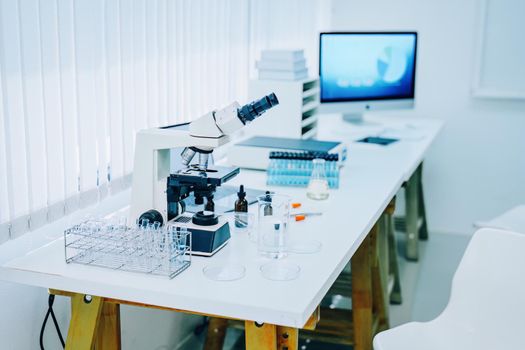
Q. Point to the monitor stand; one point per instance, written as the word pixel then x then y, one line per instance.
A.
pixel 357 119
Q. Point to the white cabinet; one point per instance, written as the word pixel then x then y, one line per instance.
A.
pixel 296 114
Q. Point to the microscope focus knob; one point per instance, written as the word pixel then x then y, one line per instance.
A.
pixel 199 200
pixel 152 216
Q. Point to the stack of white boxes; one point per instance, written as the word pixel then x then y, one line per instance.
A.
pixel 282 65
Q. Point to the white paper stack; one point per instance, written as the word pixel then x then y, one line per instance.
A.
pixel 282 65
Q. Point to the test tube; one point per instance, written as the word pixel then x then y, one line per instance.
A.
pixel 182 246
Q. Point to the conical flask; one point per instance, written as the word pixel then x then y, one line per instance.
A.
pixel 318 185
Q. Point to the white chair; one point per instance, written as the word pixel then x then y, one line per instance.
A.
pixel 512 220
pixel 486 309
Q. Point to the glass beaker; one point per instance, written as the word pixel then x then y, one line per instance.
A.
pixel 273 214
pixel 318 185
pixel 242 223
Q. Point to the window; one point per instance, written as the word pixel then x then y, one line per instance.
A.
pixel 78 79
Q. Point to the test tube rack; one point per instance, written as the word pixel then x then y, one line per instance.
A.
pixel 295 168
pixel 149 249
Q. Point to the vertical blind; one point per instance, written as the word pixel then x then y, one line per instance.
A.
pixel 78 79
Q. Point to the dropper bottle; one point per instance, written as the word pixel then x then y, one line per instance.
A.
pixel 268 210
pixel 241 206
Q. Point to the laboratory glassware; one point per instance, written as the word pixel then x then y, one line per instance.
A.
pixel 318 185
pixel 295 168
pixel 242 223
pixel 224 272
pixel 146 247
pixel 273 218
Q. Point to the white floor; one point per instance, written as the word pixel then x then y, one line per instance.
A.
pixel 425 285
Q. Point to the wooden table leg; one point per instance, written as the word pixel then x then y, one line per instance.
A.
pixel 362 295
pixel 287 338
pixel 393 265
pixel 423 230
pixel 260 336
pixel 108 334
pixel 412 218
pixel 395 295
pixel 216 333
pixel 379 247
pixel 85 315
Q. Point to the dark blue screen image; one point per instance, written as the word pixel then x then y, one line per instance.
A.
pixel 367 66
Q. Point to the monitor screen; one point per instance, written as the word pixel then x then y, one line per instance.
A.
pixel 367 66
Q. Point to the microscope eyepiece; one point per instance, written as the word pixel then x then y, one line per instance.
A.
pixel 272 100
pixel 252 110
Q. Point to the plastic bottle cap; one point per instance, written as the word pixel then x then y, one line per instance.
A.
pixel 241 194
pixel 300 217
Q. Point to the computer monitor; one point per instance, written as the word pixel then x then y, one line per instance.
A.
pixel 362 71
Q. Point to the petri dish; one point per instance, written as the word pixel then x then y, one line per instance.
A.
pixel 280 271
pixel 305 247
pixel 224 272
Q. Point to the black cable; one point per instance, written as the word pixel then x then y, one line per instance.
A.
pixel 57 327
pixel 50 311
pixel 42 330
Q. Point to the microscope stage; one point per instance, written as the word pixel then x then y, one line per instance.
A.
pixel 195 176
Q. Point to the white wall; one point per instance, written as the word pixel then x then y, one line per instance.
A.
pixel 476 168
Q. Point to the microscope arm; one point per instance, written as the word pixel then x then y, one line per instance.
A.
pixel 152 150
pixel 152 165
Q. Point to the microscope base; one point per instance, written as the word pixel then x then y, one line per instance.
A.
pixel 205 240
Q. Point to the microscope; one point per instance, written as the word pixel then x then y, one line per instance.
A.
pixel 158 195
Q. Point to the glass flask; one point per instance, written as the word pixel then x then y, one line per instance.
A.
pixel 318 185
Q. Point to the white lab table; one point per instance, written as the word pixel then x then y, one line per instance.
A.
pixel 416 136
pixel 369 180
